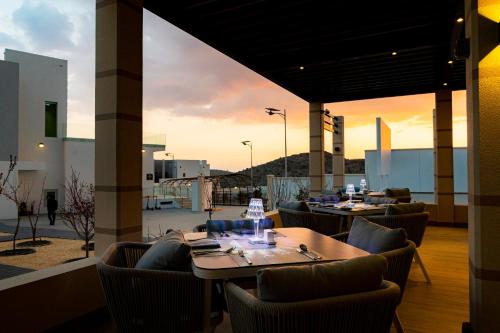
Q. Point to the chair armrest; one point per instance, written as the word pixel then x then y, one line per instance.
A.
pixel 341 236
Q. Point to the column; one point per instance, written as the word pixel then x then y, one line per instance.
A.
pixel 118 122
pixel 443 157
pixel 483 152
pixel 316 149
pixel 338 155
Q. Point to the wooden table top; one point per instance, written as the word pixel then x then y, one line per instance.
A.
pixel 284 254
pixel 374 210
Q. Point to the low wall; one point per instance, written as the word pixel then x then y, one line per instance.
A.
pixel 44 299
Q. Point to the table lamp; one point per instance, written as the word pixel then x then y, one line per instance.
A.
pixel 255 211
pixel 362 185
pixel 350 191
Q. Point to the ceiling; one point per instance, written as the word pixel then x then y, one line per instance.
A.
pixel 345 47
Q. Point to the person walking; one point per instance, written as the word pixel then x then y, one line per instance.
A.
pixel 51 208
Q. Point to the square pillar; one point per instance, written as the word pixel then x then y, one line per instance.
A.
pixel 316 149
pixel 338 154
pixel 483 153
pixel 118 122
pixel 443 157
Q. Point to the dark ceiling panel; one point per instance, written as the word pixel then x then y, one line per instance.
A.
pixel 344 46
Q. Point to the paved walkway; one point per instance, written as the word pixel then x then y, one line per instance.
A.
pixel 152 220
pixel 7 271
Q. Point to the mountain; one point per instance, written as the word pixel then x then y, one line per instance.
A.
pixel 298 166
pixel 218 172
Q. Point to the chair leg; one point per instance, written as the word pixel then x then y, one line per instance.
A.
pixel 421 264
pixel 397 323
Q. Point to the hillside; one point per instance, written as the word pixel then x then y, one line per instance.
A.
pixel 298 166
pixel 218 172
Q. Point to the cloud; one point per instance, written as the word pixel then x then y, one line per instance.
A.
pixel 8 42
pixel 44 25
pixel 185 75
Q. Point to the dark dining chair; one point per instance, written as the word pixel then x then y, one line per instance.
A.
pixel 390 243
pixel 347 296
pixel 145 300
pixel 412 218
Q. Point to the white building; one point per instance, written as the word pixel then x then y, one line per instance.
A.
pixel 414 168
pixel 181 169
pixel 33 109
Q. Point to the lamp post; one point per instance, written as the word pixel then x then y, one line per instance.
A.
pixel 273 111
pixel 249 143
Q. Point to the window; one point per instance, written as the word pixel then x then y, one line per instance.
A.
pixel 51 119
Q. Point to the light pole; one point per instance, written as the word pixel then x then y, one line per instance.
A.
pixel 249 143
pixel 272 111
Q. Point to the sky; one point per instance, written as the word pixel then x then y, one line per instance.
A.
pixel 202 102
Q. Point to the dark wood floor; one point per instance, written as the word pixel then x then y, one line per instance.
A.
pixel 443 305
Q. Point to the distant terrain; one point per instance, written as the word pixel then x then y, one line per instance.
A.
pixel 218 172
pixel 298 166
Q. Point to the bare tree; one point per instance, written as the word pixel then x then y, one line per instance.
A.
pixel 19 198
pixel 5 180
pixel 79 209
pixel 34 216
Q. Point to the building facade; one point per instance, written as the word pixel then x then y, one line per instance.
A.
pixel 33 109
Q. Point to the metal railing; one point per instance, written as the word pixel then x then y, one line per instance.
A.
pixel 236 196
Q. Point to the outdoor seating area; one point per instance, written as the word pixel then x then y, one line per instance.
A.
pixel 307 267
pixel 365 219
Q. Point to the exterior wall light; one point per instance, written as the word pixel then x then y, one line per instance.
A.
pixel 143 150
pixel 41 145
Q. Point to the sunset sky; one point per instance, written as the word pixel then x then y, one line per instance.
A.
pixel 202 101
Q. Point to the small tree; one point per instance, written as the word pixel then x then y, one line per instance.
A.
pixel 13 193
pixel 5 179
pixel 79 209
pixel 34 216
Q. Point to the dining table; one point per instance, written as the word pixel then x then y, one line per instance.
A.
pixel 348 213
pixel 237 257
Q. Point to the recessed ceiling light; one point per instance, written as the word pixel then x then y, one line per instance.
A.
pixel 460 20
pixel 445 84
pixel 301 68
pixel 394 53
pixel 41 145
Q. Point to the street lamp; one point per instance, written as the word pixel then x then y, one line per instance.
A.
pixel 249 143
pixel 273 111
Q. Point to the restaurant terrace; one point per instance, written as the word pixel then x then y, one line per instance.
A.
pixel 323 52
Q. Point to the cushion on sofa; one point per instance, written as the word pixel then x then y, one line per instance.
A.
pixel 170 252
pixel 375 238
pixel 380 200
pixel 300 206
pixel 405 208
pixel 299 283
